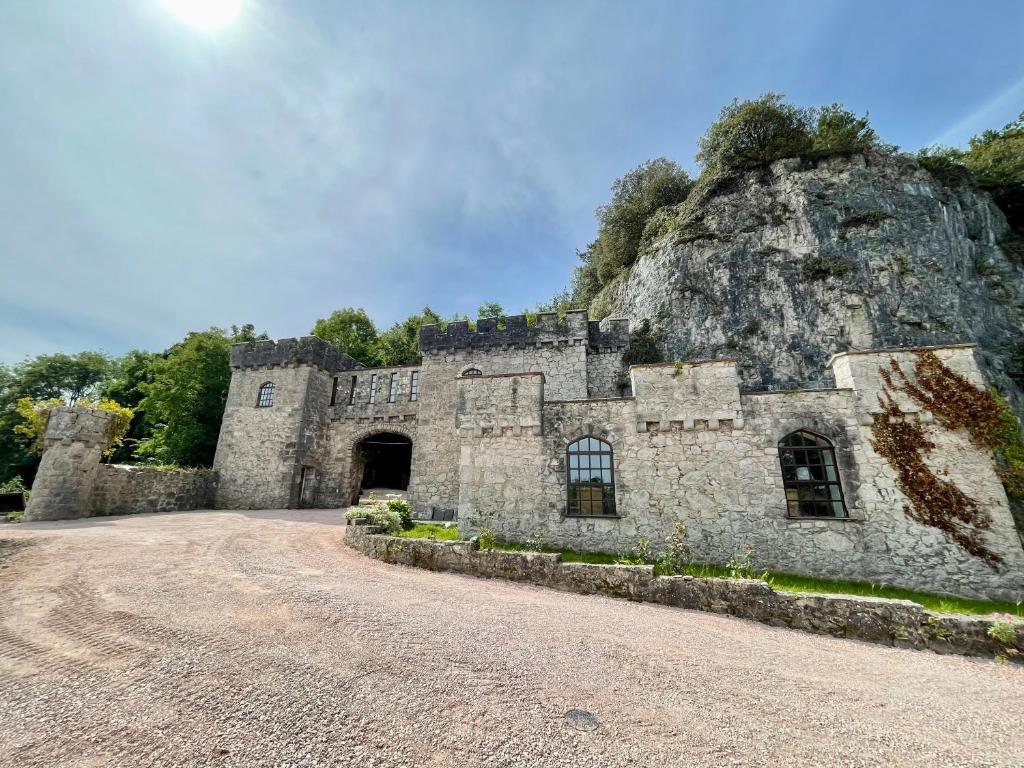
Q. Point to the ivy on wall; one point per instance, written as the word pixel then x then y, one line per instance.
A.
pixel 956 404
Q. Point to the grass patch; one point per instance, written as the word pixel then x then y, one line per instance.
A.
pixel 430 531
pixel 787 582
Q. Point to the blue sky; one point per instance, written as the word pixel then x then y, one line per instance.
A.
pixel 159 178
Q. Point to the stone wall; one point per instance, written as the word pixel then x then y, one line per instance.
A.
pixel 563 361
pixel 302 450
pixel 130 490
pixel 899 623
pixel 342 469
pixel 258 449
pixel 72 483
pixel 688 447
pixel 607 340
pixel 73 446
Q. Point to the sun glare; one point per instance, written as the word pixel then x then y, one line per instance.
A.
pixel 205 14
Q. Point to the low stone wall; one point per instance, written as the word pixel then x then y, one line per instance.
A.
pixel 898 623
pixel 129 490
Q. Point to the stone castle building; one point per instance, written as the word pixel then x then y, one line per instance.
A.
pixel 538 432
pixel 828 281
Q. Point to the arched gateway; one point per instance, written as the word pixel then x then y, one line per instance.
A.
pixel 381 462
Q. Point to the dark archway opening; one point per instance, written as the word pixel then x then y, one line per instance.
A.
pixel 387 460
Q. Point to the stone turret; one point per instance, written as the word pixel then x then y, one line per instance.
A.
pixel 270 450
pixel 74 442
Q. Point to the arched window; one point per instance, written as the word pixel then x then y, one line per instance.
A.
pixel 472 372
pixel 811 476
pixel 591 478
pixel 265 399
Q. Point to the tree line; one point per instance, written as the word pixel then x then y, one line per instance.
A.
pixel 169 404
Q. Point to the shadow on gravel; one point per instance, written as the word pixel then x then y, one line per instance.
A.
pixel 317 516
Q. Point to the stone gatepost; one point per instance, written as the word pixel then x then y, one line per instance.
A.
pixel 73 446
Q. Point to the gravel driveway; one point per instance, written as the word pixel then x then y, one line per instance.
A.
pixel 259 639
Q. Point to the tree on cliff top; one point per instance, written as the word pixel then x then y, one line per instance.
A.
pixel 750 134
pixel 635 198
pixel 994 160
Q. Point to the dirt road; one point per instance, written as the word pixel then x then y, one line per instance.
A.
pixel 259 639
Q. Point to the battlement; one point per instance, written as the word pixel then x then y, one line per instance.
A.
pixel 309 350
pixel 548 329
pixel 78 425
pixel 610 333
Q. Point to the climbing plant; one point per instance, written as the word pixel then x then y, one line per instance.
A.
pixel 956 404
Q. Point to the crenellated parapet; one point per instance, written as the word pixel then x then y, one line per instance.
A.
pixel 685 395
pixel 283 353
pixel 511 331
pixel 608 335
pixel 507 405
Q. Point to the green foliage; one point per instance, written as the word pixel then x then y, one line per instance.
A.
pixel 431 531
pixel 67 377
pixel 487 539
pixel 755 133
pixel 490 309
pixel 741 564
pixel 945 164
pixel 839 130
pixel 399 344
pixel 125 386
pixel 62 377
pixel 677 553
pixel 401 508
pixel 788 582
pixel 621 222
pixel 560 303
pixel 17 516
pixel 1008 445
pixel 994 160
pixel 184 398
pixel 35 415
pixel 1003 631
pixel 377 514
pixel 658 198
pixel 352 331
pixel 13 485
pixel 822 267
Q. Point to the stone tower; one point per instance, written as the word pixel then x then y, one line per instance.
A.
pixel 269 452
pixel 74 442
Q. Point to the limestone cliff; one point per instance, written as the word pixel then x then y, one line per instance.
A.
pixel 802 260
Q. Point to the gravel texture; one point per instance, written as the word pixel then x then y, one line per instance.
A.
pixel 259 639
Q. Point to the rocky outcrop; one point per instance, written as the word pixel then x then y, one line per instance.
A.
pixel 794 263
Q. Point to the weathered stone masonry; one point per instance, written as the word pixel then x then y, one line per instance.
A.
pixel 497 407
pixel 72 483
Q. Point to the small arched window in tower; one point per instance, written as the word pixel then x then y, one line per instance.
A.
pixel 591 475
pixel 811 476
pixel 265 399
pixel 472 372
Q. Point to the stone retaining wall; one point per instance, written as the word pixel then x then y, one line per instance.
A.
pixel 898 623
pixel 128 490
